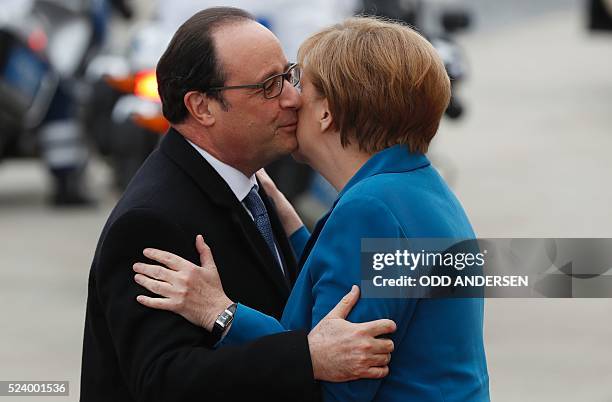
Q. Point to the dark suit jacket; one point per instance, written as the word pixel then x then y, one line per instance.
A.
pixel 133 353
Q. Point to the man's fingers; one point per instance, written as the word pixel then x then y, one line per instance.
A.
pixel 379 327
pixel 382 346
pixel 206 258
pixel 344 307
pixel 154 271
pixel 172 261
pixel 156 303
pixel 376 372
pixel 153 285
pixel 380 360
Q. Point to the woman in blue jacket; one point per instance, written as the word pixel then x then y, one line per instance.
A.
pixel 373 95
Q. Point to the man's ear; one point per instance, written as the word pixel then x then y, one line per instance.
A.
pixel 199 107
pixel 326 119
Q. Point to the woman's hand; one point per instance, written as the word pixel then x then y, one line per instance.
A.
pixel 289 218
pixel 193 292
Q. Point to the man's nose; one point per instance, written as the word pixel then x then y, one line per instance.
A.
pixel 290 98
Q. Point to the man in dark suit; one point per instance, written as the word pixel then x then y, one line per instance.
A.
pixel 201 181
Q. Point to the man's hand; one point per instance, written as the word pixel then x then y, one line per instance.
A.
pixel 194 292
pixel 344 351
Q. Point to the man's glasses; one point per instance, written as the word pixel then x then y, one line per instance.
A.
pixel 273 86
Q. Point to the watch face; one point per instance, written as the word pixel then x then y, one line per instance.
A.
pixel 223 319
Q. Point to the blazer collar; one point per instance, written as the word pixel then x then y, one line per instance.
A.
pixel 395 159
pixel 194 165
pixel 235 179
pixel 391 160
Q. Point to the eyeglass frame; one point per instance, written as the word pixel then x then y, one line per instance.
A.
pixel 261 85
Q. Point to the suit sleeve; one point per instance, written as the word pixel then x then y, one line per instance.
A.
pixel 162 356
pixel 334 264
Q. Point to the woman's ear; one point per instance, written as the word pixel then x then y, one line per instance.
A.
pixel 199 107
pixel 326 119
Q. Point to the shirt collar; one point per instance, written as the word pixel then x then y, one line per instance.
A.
pixel 235 179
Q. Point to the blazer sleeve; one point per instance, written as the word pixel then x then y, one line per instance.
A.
pixel 334 266
pixel 298 241
pixel 250 324
pixel 162 356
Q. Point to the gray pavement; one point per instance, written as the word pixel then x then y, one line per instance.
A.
pixel 531 159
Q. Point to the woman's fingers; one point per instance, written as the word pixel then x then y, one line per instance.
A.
pixel 267 182
pixel 264 178
pixel 157 303
pixel 154 271
pixel 172 261
pixel 153 285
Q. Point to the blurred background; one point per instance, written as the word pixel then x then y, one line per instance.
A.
pixel 525 144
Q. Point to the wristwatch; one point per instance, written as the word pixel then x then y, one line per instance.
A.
pixel 223 321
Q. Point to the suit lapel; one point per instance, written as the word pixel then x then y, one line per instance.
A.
pixel 195 166
pixel 217 190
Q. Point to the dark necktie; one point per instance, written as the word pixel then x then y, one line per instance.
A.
pixel 260 216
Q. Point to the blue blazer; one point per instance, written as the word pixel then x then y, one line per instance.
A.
pixel 439 353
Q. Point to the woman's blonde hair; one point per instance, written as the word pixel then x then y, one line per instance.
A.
pixel 385 83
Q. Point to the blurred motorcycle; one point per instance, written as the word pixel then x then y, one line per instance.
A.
pixel 44 48
pixel 123 113
pixel 27 86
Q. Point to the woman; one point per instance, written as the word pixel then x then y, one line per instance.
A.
pixel 373 96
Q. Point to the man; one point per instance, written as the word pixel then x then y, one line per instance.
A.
pixel 201 181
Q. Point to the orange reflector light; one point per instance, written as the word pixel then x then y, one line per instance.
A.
pixel 122 84
pixel 145 85
pixel 158 124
